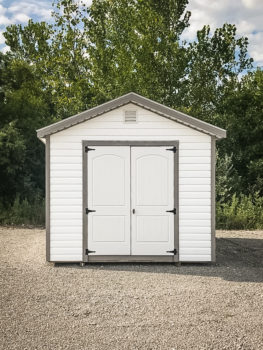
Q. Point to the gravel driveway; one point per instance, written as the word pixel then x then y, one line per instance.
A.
pixel 136 306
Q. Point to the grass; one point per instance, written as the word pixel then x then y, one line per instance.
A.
pixel 240 213
pixel 24 212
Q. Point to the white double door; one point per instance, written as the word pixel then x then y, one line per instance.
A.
pixel 130 190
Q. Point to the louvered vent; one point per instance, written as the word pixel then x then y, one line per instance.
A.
pixel 130 117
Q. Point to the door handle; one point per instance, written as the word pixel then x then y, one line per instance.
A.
pixel 133 211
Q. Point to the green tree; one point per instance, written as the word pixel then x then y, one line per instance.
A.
pixel 92 54
pixel 216 60
pixel 243 114
pixel 89 55
pixel 24 107
pixel 136 47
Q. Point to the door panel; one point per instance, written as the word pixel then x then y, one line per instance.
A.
pixel 152 228
pixel 152 184
pixel 108 180
pixel 146 166
pixel 109 195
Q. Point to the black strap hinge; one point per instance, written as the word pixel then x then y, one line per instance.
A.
pixel 89 251
pixel 89 211
pixel 171 211
pixel 87 149
pixel 174 252
pixel 171 149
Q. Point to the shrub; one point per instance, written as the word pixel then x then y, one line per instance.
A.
pixel 24 212
pixel 240 212
pixel 243 212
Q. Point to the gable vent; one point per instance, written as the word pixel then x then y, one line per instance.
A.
pixel 130 117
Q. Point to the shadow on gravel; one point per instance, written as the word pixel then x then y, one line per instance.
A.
pixel 237 259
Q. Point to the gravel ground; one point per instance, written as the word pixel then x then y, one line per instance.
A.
pixel 137 306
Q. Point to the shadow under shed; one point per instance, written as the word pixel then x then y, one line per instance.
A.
pixel 237 259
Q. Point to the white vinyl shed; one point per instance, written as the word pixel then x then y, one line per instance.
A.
pixel 130 180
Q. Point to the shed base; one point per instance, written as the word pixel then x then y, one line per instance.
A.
pixel 131 258
pixel 121 260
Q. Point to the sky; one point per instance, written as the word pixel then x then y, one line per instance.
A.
pixel 246 14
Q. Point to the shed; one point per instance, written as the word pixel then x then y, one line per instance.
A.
pixel 130 180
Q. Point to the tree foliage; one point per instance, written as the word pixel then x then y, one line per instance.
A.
pixel 24 107
pixel 243 114
pixel 89 55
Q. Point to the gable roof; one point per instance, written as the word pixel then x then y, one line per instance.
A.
pixel 138 100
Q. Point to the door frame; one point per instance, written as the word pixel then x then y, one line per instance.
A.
pixel 126 258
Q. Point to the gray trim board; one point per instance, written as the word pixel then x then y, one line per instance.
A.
pixel 152 257
pixel 138 100
pixel 47 157
pixel 131 143
pixel 213 204
pixel 130 258
pixel 66 261
pixel 108 258
pixel 176 201
pixel 84 202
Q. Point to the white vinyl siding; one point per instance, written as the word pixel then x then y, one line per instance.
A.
pixel 194 179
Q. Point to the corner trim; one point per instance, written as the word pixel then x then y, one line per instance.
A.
pixel 213 204
pixel 47 157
